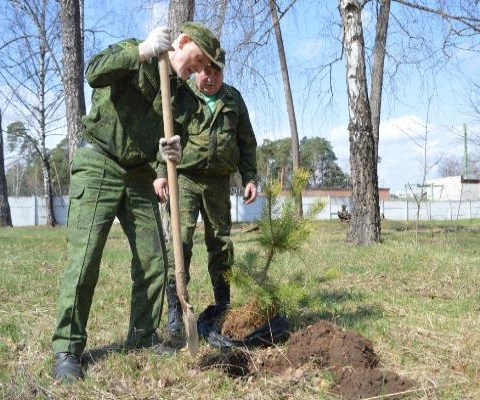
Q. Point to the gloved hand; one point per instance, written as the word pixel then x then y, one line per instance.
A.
pixel 158 41
pixel 171 149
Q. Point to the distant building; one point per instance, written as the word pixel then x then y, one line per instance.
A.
pixel 452 188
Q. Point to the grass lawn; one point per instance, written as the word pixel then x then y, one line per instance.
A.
pixel 416 296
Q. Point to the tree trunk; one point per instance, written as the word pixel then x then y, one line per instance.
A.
pixel 179 12
pixel 221 15
pixel 42 110
pixel 71 14
pixel 288 97
pixel 5 215
pixel 365 222
pixel 48 193
pixel 379 51
pixel 281 178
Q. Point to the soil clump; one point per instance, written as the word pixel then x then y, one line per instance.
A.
pixel 348 356
pixel 345 357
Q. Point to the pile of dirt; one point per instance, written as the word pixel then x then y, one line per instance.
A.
pixel 349 358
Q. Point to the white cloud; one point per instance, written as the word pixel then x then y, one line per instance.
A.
pixel 338 138
pixel 401 149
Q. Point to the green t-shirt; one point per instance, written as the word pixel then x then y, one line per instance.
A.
pixel 211 101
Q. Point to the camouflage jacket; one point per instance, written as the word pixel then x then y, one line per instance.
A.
pixel 125 119
pixel 221 142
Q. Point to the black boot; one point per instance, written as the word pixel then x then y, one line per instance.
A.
pixel 211 319
pixel 221 293
pixel 175 327
pixel 67 366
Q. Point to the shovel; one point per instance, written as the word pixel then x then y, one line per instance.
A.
pixel 180 275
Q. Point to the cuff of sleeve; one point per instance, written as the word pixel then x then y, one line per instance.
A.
pixel 254 181
pixel 161 170
pixel 131 53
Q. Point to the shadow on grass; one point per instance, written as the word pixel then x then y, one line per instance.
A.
pixel 95 355
pixel 335 309
pixel 299 278
pixel 92 356
pixel 330 298
pixel 362 313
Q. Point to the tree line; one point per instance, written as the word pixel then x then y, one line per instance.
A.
pixel 24 175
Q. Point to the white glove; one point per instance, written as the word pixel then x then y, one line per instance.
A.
pixel 171 149
pixel 157 42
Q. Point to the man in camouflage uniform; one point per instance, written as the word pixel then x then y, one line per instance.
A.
pixel 112 174
pixel 220 141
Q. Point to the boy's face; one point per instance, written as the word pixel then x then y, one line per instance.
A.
pixel 190 60
pixel 209 80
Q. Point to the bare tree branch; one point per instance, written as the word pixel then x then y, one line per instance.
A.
pixel 470 21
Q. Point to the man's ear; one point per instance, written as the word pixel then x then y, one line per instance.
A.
pixel 183 40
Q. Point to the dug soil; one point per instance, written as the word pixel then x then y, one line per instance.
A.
pixel 347 360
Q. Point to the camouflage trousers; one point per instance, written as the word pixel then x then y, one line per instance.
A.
pixel 209 197
pixel 100 190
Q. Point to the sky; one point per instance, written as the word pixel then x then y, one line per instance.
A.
pixel 415 125
pixel 417 128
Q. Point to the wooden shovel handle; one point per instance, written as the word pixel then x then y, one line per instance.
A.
pixel 180 275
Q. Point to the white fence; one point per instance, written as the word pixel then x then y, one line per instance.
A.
pixel 30 211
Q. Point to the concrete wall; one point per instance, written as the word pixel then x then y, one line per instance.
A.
pixel 452 188
pixel 430 211
pixel 30 211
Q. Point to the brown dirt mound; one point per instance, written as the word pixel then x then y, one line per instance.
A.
pixel 349 357
pixel 346 359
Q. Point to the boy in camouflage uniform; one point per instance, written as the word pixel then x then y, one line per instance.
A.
pixel 220 141
pixel 112 174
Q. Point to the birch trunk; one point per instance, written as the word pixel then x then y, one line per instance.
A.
pixel 365 222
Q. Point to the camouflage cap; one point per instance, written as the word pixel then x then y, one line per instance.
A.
pixel 219 62
pixel 204 39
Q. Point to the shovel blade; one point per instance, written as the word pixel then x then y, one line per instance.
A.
pixel 191 331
